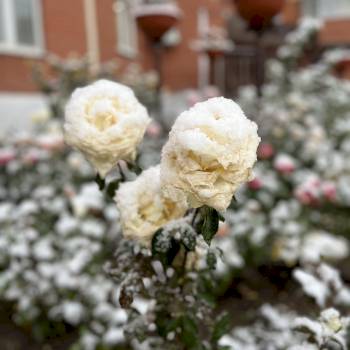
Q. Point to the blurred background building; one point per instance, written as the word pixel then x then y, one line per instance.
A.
pixel 103 30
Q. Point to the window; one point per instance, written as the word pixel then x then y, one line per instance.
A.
pixel 21 27
pixel 326 9
pixel 126 28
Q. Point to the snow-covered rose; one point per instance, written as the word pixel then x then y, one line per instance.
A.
pixel 210 152
pixel 143 208
pixel 106 122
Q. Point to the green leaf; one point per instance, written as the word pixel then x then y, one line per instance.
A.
pixel 221 327
pixel 100 182
pixel 210 223
pixel 112 187
pixel 189 333
pixel 164 247
pixel 221 217
pixel 211 260
pixel 189 239
pixel 165 324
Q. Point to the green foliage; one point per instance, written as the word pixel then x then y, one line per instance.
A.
pixel 189 240
pixel 221 327
pixel 101 183
pixel 164 247
pixel 209 223
pixel 211 260
pixel 189 333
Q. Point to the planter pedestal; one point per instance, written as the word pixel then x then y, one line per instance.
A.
pixel 155 20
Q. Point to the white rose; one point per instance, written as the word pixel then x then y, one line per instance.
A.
pixel 106 122
pixel 210 153
pixel 143 208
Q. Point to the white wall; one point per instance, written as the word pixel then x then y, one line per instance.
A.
pixel 16 110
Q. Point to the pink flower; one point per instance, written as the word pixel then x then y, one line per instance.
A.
pixel 309 192
pixel 265 151
pixel 193 97
pixel 284 164
pixel 31 157
pixel 306 197
pixel 50 142
pixel 154 130
pixel 211 91
pixel 6 156
pixel 223 230
pixel 255 184
pixel 329 191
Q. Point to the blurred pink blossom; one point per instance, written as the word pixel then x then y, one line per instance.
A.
pixel 255 184
pixel 306 197
pixel 329 191
pixel 193 97
pixel 309 192
pixel 50 142
pixel 31 157
pixel 154 130
pixel 265 151
pixel 211 91
pixel 284 164
pixel 6 156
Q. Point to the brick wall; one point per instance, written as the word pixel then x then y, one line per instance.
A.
pixel 180 67
pixel 64 33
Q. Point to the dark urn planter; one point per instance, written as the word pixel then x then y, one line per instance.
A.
pixel 342 68
pixel 156 19
pixel 258 13
pixel 214 53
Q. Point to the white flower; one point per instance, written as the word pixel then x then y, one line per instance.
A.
pixel 106 122
pixel 210 152
pixel 143 208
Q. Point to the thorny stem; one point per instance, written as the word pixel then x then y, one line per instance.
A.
pixel 184 262
pixel 121 171
pixel 194 217
pixel 193 220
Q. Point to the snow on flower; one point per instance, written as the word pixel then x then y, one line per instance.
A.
pixel 143 208
pixel 88 198
pixel 308 193
pixel 318 245
pixel 330 328
pixel 312 286
pixel 322 283
pixel 106 122
pixel 285 164
pixel 329 190
pixel 210 153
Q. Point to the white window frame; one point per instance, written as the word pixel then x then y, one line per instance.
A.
pixel 327 9
pixel 126 29
pixel 10 46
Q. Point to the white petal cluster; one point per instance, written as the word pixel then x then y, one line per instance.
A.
pixel 210 152
pixel 106 122
pixel 143 208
